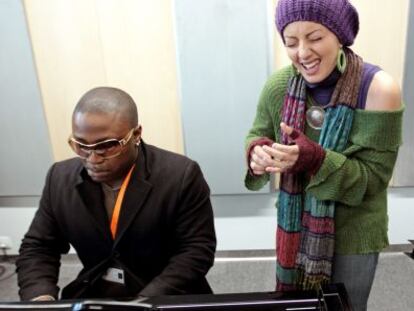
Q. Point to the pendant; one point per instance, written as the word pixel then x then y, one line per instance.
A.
pixel 315 116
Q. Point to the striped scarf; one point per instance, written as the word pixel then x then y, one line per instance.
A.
pixel 305 236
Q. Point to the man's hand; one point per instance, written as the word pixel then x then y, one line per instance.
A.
pixel 43 298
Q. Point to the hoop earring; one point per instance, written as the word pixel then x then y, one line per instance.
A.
pixel 341 61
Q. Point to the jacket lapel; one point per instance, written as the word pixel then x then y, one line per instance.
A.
pixel 136 193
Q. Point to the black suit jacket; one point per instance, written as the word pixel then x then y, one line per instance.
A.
pixel 165 240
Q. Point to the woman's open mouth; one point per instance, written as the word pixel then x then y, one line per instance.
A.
pixel 311 68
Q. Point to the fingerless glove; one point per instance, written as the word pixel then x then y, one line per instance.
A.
pixel 311 154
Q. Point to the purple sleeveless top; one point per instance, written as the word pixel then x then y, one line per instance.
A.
pixel 321 92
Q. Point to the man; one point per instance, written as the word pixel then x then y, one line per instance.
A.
pixel 139 217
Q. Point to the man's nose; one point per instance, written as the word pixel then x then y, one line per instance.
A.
pixel 94 158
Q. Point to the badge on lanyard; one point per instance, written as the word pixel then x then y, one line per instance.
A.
pixel 115 275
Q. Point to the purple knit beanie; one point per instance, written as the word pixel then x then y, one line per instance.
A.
pixel 339 16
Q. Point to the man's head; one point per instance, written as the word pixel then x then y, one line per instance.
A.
pixel 105 133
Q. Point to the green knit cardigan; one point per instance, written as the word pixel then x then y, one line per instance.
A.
pixel 357 179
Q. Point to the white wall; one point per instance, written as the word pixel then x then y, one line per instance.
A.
pixel 247 222
pixel 256 225
pixel 254 228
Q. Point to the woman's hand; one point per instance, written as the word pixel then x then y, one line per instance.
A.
pixel 283 156
pixel 260 160
pixel 303 155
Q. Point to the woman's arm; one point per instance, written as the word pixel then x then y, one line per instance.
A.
pixel 265 129
pixel 383 93
pixel 365 167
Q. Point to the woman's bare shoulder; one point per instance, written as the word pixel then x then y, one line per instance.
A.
pixel 384 93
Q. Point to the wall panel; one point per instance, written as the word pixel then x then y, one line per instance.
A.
pixel 25 153
pixel 223 58
pixel 404 172
pixel 80 44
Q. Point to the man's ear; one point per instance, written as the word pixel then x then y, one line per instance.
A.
pixel 137 134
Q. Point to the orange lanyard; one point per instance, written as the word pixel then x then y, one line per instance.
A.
pixel 118 203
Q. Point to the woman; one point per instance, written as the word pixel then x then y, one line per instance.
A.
pixel 331 125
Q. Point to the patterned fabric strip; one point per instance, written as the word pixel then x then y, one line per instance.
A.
pixel 305 236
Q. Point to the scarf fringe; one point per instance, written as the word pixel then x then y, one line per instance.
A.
pixel 311 282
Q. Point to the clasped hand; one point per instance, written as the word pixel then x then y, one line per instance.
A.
pixel 277 158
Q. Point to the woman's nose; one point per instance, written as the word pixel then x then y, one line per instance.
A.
pixel 303 51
